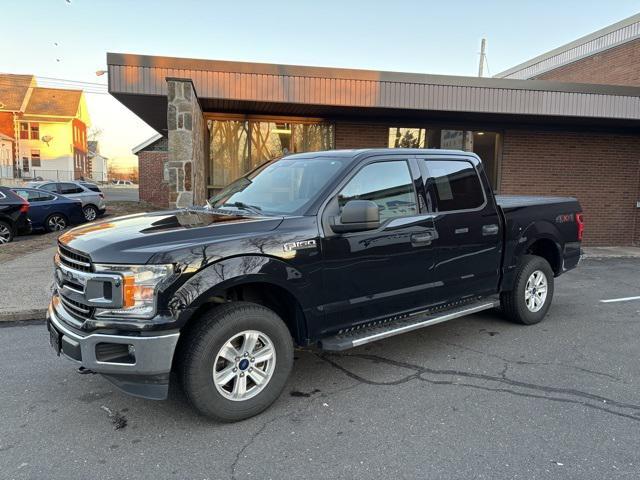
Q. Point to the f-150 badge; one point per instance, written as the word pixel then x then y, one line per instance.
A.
pixel 291 246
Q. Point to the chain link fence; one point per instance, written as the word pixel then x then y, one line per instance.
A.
pixel 56 175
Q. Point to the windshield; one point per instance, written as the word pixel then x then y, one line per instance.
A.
pixel 282 187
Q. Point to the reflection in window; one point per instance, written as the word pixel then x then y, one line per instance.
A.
pixel 269 140
pixel 312 137
pixel 388 184
pixel 229 151
pixel 484 144
pixel 407 138
pixel 237 147
pixel 456 185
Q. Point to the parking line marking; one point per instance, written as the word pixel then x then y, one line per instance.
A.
pixel 625 299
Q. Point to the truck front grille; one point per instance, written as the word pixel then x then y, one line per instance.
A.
pixel 73 259
pixel 70 287
pixel 78 310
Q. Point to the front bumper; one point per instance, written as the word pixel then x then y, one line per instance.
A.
pixel 143 370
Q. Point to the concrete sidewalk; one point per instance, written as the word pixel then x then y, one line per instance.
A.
pixel 25 283
pixel 25 286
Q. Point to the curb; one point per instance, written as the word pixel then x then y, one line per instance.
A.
pixel 23 315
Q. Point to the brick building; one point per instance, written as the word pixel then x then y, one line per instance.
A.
pixel 560 124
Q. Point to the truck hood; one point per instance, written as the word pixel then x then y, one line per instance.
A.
pixel 134 239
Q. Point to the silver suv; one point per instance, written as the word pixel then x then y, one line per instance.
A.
pixel 93 203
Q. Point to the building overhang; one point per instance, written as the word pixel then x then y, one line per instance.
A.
pixel 139 82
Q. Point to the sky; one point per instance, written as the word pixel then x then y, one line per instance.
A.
pixel 69 39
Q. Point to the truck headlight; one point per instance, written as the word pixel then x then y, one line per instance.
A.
pixel 140 285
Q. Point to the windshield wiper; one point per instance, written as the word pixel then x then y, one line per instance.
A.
pixel 245 206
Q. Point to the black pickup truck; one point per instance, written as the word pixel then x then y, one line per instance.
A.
pixel 329 250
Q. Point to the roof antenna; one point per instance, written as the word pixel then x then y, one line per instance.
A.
pixel 483 56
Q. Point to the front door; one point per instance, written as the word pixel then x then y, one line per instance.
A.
pixel 468 247
pixel 375 274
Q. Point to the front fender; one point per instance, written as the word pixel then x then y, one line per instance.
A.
pixel 207 284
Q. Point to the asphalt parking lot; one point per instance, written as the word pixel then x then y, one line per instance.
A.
pixel 476 397
pixel 120 193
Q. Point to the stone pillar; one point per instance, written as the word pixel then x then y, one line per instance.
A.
pixel 186 167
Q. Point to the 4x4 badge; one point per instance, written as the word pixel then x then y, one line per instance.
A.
pixel 289 247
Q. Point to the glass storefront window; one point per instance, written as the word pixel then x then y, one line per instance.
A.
pixel 408 138
pixel 228 151
pixel 484 144
pixel 237 147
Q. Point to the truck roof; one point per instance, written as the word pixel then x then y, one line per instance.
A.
pixel 357 154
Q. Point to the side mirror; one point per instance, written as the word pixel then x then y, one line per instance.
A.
pixel 357 216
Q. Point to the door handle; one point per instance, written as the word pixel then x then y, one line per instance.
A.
pixel 426 237
pixel 490 229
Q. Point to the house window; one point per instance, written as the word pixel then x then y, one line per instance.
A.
pixel 24 131
pixel 35 131
pixel 25 164
pixel 35 158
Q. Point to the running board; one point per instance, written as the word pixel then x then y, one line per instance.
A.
pixel 415 321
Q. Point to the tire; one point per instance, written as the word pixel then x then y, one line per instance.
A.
pixel 526 303
pixel 55 222
pixel 6 233
pixel 90 213
pixel 202 351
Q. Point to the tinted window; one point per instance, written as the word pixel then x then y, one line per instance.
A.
pixel 92 187
pixel 456 185
pixel 386 183
pixel 28 195
pixel 68 188
pixel 50 187
pixel 46 197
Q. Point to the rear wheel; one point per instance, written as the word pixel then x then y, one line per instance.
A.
pixel 90 213
pixel 531 296
pixel 55 223
pixel 6 232
pixel 235 361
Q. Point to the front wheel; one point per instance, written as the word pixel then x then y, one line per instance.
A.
pixel 235 361
pixel 532 292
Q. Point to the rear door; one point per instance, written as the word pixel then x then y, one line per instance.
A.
pixel 468 244
pixel 39 209
pixel 379 273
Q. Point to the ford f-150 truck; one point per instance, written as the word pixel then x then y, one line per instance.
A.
pixel 328 249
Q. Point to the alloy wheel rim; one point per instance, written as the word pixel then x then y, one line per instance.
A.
pixel 5 234
pixel 244 365
pixel 57 223
pixel 90 214
pixel 535 291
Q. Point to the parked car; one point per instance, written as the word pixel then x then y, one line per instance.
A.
pixel 93 203
pixel 49 211
pixel 14 215
pixel 329 249
pixel 127 183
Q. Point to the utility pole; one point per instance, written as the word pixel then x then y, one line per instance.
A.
pixel 483 45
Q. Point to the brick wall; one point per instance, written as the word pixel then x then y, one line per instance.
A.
pixel 616 66
pixel 354 135
pixel 153 189
pixel 601 170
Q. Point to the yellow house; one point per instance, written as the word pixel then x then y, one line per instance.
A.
pixel 46 129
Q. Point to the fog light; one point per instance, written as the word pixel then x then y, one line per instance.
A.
pixel 132 350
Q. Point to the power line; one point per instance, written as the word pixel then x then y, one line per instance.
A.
pixel 60 86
